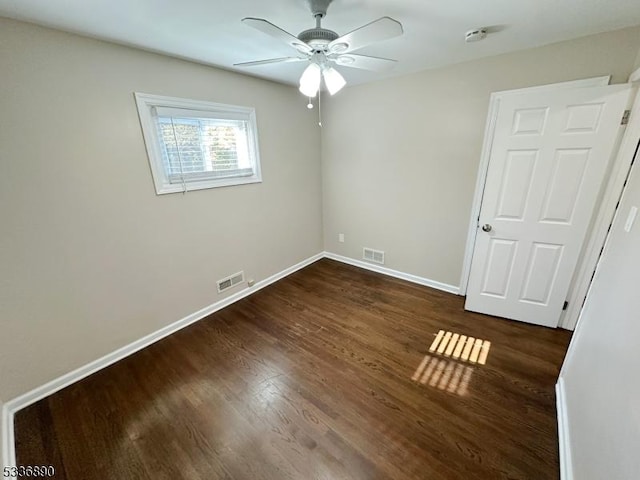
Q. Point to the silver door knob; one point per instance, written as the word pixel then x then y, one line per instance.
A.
pixel 486 227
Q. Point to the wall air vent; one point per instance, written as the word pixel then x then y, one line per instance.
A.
pixel 231 281
pixel 371 255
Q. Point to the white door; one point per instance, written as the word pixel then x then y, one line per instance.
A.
pixel 549 158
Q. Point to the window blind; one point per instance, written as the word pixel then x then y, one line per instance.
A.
pixel 195 144
pixel 195 149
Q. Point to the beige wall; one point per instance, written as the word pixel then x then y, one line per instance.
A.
pixel 91 258
pixel 637 62
pixel 400 157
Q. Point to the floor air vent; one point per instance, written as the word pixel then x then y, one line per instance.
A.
pixel 371 255
pixel 231 281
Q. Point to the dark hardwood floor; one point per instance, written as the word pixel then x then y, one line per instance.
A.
pixel 324 375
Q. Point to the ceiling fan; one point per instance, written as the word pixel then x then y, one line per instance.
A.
pixel 324 48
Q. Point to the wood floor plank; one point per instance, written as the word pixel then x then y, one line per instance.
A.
pixel 326 374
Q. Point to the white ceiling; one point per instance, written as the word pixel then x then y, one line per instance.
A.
pixel 210 31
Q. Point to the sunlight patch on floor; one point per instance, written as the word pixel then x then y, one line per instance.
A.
pixel 450 362
pixel 461 347
pixel 445 375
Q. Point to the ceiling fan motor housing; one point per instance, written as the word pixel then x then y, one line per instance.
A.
pixel 318 38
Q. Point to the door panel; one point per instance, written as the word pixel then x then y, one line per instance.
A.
pixel 530 121
pixel 516 184
pixel 583 118
pixel 564 187
pixel 539 278
pixel 499 267
pixel 549 159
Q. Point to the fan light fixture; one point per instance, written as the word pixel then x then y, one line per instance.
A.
pixel 312 78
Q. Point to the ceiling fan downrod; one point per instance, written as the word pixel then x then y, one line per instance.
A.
pixel 318 38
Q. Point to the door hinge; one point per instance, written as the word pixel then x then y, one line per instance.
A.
pixel 625 117
pixel 566 304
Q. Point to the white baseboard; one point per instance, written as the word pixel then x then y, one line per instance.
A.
pixel 6 438
pixel 394 273
pixel 11 407
pixel 566 469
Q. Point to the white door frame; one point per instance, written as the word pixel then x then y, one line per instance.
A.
pixel 596 234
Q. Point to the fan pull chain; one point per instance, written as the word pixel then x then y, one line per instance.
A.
pixel 310 104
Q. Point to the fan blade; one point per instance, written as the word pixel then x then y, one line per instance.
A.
pixel 271 60
pixel 276 32
pixel 382 29
pixel 364 62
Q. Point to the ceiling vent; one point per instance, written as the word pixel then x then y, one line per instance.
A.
pixel 371 255
pixel 231 281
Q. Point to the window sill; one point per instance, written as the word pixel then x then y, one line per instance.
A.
pixel 191 186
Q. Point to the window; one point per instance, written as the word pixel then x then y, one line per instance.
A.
pixel 194 145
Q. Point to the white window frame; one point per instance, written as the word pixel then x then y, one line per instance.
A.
pixel 147 103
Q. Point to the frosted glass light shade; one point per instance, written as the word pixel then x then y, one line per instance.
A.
pixel 333 80
pixel 310 80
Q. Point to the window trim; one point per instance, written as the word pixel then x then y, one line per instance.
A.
pixel 145 103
